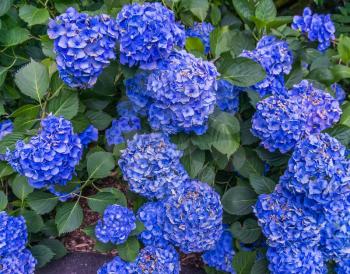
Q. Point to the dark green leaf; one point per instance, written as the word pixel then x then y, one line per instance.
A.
pixel 3 200
pixel 261 184
pixel 244 8
pixel 207 174
pixel 56 247
pixel 69 217
pixel 260 267
pixel 14 36
pixel 345 118
pixel 340 72
pixel 118 195
pixel 5 169
pixel 42 202
pixel 129 250
pixel 100 201
pixel 265 10
pixel 5 6
pixel 43 254
pixel 65 104
pixel 99 119
pixel 33 15
pixel 247 233
pixel 239 200
pixel 100 164
pixel 272 158
pixel 193 161
pixel 341 133
pixel 34 221
pixel 243 262
pixel 199 8
pixel 20 187
pixel 246 162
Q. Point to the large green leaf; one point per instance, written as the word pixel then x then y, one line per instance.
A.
pixel 199 8
pixel 193 161
pixel 265 10
pixel 344 48
pixel 66 104
pixel 261 184
pixel 244 8
pixel 246 162
pixel 14 36
pixel 100 164
pixel 247 233
pixel 5 5
pixel 42 202
pixel 239 200
pixel 69 217
pixel 20 187
pixel 260 267
pixel 100 201
pixel 3 200
pixel 345 118
pixel 56 247
pixel 33 80
pixel 129 250
pixel 9 141
pixel 34 221
pixel 243 262
pixel 5 169
pixel 43 254
pixel 99 119
pixel 33 15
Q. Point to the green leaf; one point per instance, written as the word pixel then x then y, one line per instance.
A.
pixel 138 230
pixel 260 267
pixel 272 158
pixel 33 15
pixel 9 141
pixel 69 217
pixel 239 200
pixel 42 202
pixel 14 36
pixel 66 104
pixel 5 170
pixel 5 5
pixel 265 10
pixel 29 110
pixel 247 233
pixel 193 161
pixel 344 48
pixel 244 8
pixel 34 221
pixel 3 200
pixel 20 187
pixel 341 133
pixel 194 44
pixel 243 72
pixel 119 196
pixel 129 250
pixel 199 8
pixel 243 262
pixel 215 15
pixel 207 175
pixel 340 72
pixel 3 73
pixel 33 80
pixel 246 162
pixel 345 118
pixel 100 201
pixel 262 184
pixel 43 254
pixel 99 119
pixel 100 164
pixel 56 247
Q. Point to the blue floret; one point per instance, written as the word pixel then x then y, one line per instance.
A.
pixel 6 127
pixel 125 124
pixel 227 96
pixel 19 262
pixel 339 93
pixel 118 266
pixel 89 135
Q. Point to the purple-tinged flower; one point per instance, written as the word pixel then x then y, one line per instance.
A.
pixel 18 262
pixel 147 33
pixel 125 108
pixel 319 28
pixel 89 135
pixel 118 266
pixel 116 225
pixel 125 124
pixel 201 31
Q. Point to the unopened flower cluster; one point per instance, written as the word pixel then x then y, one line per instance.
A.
pixel 201 31
pixel 84 46
pixel 281 121
pixel 89 135
pixel 14 257
pixel 319 28
pixel 276 58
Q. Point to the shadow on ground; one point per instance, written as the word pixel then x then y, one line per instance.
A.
pixel 88 263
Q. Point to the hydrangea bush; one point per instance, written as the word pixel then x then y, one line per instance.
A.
pixel 208 132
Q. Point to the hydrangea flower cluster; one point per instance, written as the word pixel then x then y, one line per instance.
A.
pixel 153 259
pixel 119 266
pixel 84 46
pixel 289 260
pixel 14 257
pixel 89 135
pixel 285 222
pixel 193 217
pixel 125 108
pixel 339 92
pixel 227 96
pixel 319 28
pixel 151 165
pixel 318 169
pixel 116 224
pixel 151 215
pixel 6 127
pixel 281 121
pixel 184 94
pixel 147 33
pixel 221 256
pixel 276 58
pixel 202 31
pixel 125 124
pixel 50 157
pixel 21 262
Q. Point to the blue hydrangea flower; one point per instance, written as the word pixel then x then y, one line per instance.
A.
pixel 13 234
pixel 158 260
pixel 279 123
pixel 201 31
pixel 147 33
pixel 276 58
pixel 339 93
pixel 184 94
pixel 6 127
pixel 19 262
pixel 193 217
pixel 227 96
pixel 118 266
pixel 343 266
pixel 136 90
pixel 318 169
pixel 291 260
pixel 84 46
pixel 63 196
pixel 152 217
pixel 285 222
pixel 125 108
pixel 151 165
pixel 116 224
pixel 221 256
pixel 125 124
pixel 50 157
pixel 319 28
pixel 89 135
